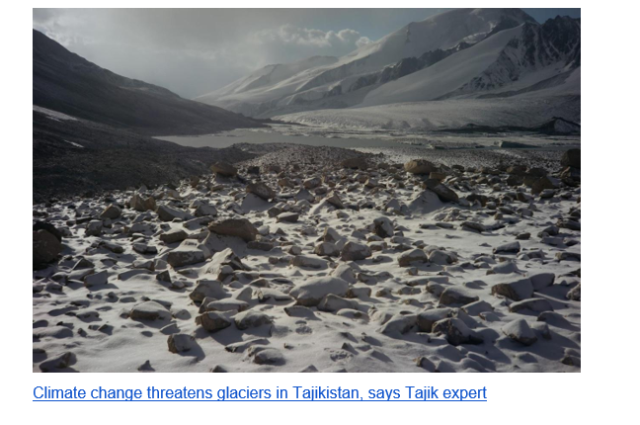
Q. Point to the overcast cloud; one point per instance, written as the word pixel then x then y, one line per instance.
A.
pixel 194 51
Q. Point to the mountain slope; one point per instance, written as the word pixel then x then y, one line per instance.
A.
pixel 74 157
pixel 444 76
pixel 68 83
pixel 270 75
pixel 443 31
pixel 521 56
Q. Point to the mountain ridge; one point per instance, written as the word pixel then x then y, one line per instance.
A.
pixel 529 53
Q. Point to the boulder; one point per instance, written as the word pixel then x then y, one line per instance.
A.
pixel 331 235
pixel 420 166
pixel 311 183
pixel 568 256
pixel 208 289
pixel 224 169
pixel 260 245
pixel 542 280
pixel 251 319
pixel 571 358
pixel 204 210
pixel 441 257
pixel 574 293
pixel 60 362
pixel 111 212
pixel 571 158
pixel 455 295
pixel 456 332
pixel 535 305
pixel 303 195
pixel 436 175
pixel 555 319
pixel 268 356
pixel 144 264
pixel 82 264
pixel 272 168
pixel 185 256
pixel 239 227
pixel 300 311
pixel 307 261
pixel 344 272
pixel 166 213
pixel 96 279
pixel 474 226
pixel 227 304
pixel 180 343
pixel 425 364
pixel 57 332
pixel 507 248
pixel 261 190
pixel 353 251
pixel 571 176
pixel 288 217
pixel 140 227
pixel 334 303
pixel 173 236
pixel 415 255
pixel 143 248
pixel 212 321
pixel 164 276
pixel 285 183
pixel 358 163
pixel 264 294
pixel 399 323
pixel 443 191
pixel 519 330
pixel 149 310
pixel 383 227
pixel 543 183
pixel 516 290
pixel 138 203
pixel 310 293
pixel 113 247
pixel 427 318
pixel 46 247
pixel 477 307
pixel 334 200
pixel 43 225
pixel 518 170
pixel 326 249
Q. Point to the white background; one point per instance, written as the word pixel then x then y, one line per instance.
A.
pixel 604 392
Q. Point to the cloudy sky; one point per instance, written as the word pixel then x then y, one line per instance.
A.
pixel 194 51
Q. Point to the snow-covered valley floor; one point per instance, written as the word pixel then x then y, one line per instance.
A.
pixel 303 263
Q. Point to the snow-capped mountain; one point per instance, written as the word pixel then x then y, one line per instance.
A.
pixel 460 54
pixel 515 58
pixel 271 75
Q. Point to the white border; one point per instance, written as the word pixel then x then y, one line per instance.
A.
pixel 602 392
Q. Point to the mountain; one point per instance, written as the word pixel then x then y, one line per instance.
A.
pixel 516 57
pixel 463 54
pixel 68 83
pixel 92 128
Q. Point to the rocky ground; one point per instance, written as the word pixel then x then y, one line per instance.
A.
pixel 79 157
pixel 317 259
